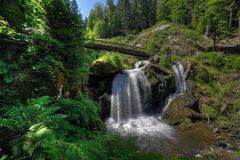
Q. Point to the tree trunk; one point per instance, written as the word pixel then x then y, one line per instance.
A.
pixel 230 19
pixel 214 41
pixel 239 29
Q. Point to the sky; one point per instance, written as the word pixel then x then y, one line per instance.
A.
pixel 85 6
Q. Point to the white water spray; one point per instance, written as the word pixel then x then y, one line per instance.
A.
pixel 180 83
pixel 131 95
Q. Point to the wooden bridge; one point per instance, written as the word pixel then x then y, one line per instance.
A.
pixel 118 47
pixel 98 45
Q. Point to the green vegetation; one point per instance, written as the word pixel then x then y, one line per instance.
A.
pixel 215 75
pixel 45 110
pixel 116 60
pixel 216 18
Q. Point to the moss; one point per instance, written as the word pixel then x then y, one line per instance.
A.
pixel 209 111
pixel 116 60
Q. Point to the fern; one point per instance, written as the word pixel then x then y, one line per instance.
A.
pixel 84 113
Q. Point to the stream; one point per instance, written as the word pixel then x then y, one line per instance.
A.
pixel 131 97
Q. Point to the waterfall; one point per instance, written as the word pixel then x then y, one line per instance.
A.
pixel 131 93
pixel 180 83
pixel 131 96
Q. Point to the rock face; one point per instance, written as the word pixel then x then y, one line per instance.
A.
pixel 100 83
pixel 100 90
pixel 162 84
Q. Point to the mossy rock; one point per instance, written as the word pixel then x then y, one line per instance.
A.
pixel 180 111
pixel 102 68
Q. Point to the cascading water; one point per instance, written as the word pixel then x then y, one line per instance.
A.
pixel 180 83
pixel 131 93
pixel 131 96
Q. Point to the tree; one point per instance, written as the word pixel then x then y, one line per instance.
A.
pixel 66 26
pixel 74 7
pixel 181 11
pixel 216 19
pixel 110 17
pixel 96 14
pixel 163 10
pixel 152 12
pixel 125 15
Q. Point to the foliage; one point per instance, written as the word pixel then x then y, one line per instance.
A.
pixel 83 113
pixel 216 18
pixel 122 18
pixel 221 89
pixel 114 59
pixel 44 127
pixel 209 111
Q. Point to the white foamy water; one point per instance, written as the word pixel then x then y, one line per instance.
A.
pixel 180 83
pixel 131 95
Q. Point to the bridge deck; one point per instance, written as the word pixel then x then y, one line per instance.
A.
pixel 122 48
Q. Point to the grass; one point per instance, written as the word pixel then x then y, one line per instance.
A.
pixel 157 41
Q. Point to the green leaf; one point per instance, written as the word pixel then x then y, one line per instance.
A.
pixel 3 68
pixel 8 79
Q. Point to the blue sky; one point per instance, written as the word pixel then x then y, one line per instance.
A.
pixel 85 6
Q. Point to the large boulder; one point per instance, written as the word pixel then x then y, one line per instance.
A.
pixel 181 111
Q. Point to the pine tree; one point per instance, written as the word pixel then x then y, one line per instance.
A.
pixel 124 11
pixel 110 18
pixel 163 10
pixel 152 12
pixel 74 7
pixel 67 27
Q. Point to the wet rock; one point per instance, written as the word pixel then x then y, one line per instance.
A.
pixel 221 144
pixel 180 111
pixel 99 87
pixel 155 59
pixel 105 103
pixel 220 137
pixel 216 130
pixel 220 154
pixel 162 83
